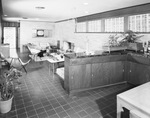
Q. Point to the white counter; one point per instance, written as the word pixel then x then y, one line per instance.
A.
pixel 136 99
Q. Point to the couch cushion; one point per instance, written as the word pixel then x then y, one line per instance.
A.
pixel 43 45
pixel 60 72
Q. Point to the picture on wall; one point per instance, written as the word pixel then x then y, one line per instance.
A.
pixel 41 33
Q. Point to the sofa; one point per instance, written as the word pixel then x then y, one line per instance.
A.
pixel 35 48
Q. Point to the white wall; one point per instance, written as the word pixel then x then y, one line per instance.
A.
pixel 26 29
pixel 66 31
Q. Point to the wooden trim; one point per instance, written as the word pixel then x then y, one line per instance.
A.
pixel 72 92
pixel 126 24
pixel 1 9
pixel 10 24
pixel 144 8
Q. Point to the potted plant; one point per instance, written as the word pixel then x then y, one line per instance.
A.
pixel 131 40
pixel 114 40
pixel 131 37
pixel 128 40
pixel 9 81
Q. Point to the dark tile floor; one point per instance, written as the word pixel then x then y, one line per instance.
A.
pixel 39 96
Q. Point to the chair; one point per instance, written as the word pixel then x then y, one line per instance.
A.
pixel 23 64
pixel 4 61
pixel 14 56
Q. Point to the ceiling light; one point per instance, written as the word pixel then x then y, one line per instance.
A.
pixel 36 18
pixel 85 3
pixel 40 8
pixel 5 15
pixel 24 18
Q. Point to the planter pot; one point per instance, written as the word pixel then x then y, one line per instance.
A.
pixel 135 46
pixel 5 106
pixel 124 46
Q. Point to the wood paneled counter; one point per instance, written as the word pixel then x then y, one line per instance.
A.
pixel 88 72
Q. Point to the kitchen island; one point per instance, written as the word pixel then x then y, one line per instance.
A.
pixel 94 71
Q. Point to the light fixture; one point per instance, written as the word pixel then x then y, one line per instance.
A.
pixel 86 12
pixel 85 3
pixel 5 15
pixel 24 18
pixel 40 8
pixel 36 18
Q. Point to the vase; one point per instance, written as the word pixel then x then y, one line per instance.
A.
pixel 5 106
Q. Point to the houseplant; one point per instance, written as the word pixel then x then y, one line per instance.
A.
pixel 131 40
pixel 131 37
pixel 9 80
pixel 127 40
pixel 115 40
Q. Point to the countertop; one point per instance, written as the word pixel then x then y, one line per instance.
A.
pixel 139 97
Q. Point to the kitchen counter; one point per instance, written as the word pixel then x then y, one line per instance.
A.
pixel 93 71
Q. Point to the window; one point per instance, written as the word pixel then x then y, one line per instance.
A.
pixel 81 27
pixel 114 24
pixel 94 26
pixel 139 23
pixel 135 18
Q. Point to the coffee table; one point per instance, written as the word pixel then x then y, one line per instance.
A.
pixel 54 60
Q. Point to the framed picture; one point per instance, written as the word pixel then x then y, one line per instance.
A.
pixel 40 33
pixel 43 33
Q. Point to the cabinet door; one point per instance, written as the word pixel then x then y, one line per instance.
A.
pixel 80 77
pixel 100 74
pixel 116 72
pixel 138 73
pixel 107 73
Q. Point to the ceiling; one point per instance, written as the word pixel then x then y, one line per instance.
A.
pixel 57 10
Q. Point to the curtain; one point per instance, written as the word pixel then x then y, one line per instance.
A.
pixel 0 30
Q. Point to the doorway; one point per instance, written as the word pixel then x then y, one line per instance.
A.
pixel 10 37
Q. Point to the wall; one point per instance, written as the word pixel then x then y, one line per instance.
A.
pixel 26 31
pixel 66 31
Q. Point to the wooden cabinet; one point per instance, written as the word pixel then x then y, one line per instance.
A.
pixel 99 76
pixel 116 72
pixel 80 76
pixel 94 75
pixel 87 73
pixel 107 73
pixel 138 73
pixel 97 71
